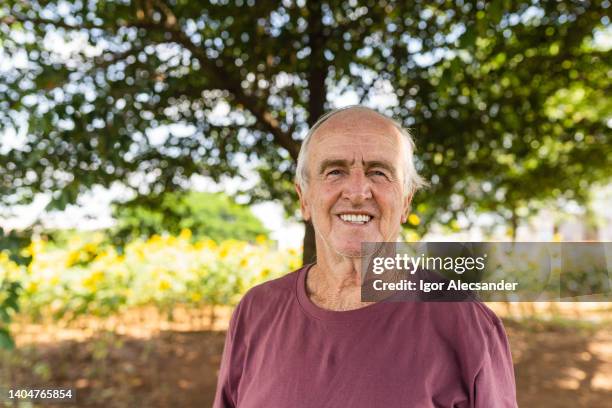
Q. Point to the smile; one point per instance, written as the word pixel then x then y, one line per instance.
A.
pixel 355 218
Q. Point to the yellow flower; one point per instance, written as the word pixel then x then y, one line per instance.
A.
pixel 140 254
pixel 90 247
pixel 155 239
pixel 294 263
pixel 72 258
pixel 164 285
pixel 206 244
pixel 32 287
pixel 411 236
pixel 261 239
pixel 36 247
pixel 224 252
pixel 414 219
pixel 102 254
pixel 91 283
pixel 185 234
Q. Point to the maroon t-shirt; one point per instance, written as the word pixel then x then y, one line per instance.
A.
pixel 283 351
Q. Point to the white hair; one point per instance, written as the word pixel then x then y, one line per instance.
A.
pixel 412 180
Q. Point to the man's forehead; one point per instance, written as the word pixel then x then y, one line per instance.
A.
pixel 353 160
pixel 357 122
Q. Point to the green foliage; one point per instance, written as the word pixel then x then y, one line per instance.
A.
pixel 14 242
pixel 490 90
pixel 9 295
pixel 212 215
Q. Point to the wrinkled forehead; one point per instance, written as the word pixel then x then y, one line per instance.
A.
pixel 360 126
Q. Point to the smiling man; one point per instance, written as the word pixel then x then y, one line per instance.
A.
pixel 307 339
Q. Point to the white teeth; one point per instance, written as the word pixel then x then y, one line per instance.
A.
pixel 356 218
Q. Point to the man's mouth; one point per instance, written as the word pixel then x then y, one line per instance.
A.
pixel 355 218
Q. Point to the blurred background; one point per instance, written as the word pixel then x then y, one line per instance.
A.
pixel 147 155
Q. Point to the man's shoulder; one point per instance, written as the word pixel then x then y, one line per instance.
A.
pixel 471 316
pixel 278 286
pixel 482 314
pixel 270 293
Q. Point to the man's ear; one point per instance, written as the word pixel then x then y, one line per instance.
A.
pixel 304 206
pixel 406 207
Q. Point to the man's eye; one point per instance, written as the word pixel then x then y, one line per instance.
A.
pixel 335 172
pixel 378 173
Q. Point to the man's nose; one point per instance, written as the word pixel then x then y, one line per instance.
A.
pixel 357 188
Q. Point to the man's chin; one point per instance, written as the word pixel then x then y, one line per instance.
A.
pixel 352 248
pixel 352 251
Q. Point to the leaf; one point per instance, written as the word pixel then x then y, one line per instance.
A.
pixel 468 39
pixel 496 11
pixel 6 342
pixel 4 316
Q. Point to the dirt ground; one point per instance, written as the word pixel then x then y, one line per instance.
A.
pixel 557 365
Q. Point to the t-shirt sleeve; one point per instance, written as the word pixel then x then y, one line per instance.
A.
pixel 225 397
pixel 494 385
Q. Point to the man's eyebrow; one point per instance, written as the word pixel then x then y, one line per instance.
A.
pixel 333 163
pixel 381 164
pixel 327 163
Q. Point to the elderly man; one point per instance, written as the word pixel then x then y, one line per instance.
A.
pixel 307 339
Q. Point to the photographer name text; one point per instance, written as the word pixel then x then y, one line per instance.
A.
pixel 424 286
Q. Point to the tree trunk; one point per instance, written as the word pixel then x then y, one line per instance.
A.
pixel 310 248
pixel 590 225
pixel 317 97
pixel 514 223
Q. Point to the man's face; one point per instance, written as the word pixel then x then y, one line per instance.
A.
pixel 355 191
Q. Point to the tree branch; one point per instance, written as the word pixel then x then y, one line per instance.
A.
pixel 232 85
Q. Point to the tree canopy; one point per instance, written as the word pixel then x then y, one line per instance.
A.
pixel 506 99
pixel 210 215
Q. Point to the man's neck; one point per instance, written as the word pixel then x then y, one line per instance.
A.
pixel 335 284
